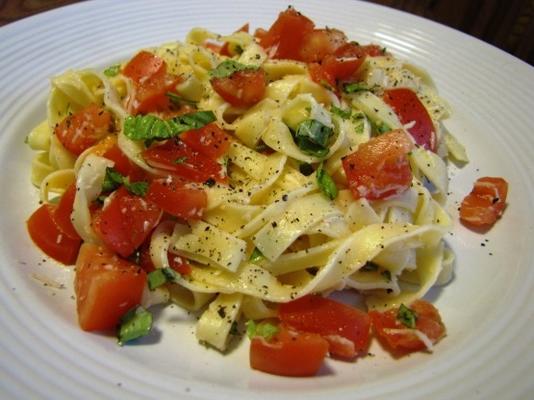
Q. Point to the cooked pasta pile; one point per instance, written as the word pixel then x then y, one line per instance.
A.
pixel 281 220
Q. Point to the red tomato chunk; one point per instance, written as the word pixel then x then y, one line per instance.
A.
pixel 485 204
pixel 345 328
pixel 289 353
pixel 428 321
pixel 380 169
pixel 126 221
pixel 84 128
pixel 48 236
pixel 106 287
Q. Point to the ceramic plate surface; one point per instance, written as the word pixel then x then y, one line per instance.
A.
pixel 488 308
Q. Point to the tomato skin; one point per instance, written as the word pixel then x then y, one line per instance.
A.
pixel 209 140
pixel 47 235
pixel 320 43
pixel 63 211
pixel 428 321
pixel 126 221
pixel 289 353
pixel 151 83
pixel 485 204
pixel 106 287
pixel 84 128
pixel 177 199
pixel 123 164
pixel 333 320
pixel 380 169
pixel 319 75
pixel 409 108
pixel 287 34
pixel 195 166
pixel 144 65
pixel 242 88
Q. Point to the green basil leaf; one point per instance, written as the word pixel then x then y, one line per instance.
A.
pixel 229 67
pixel 136 323
pixel 355 87
pixel 179 100
pixel 407 316
pixel 312 137
pixel 138 188
pixel 112 180
pixel 161 276
pixel 112 70
pixel 256 256
pixel 263 329
pixel 326 183
pixel 150 127
pixel 344 114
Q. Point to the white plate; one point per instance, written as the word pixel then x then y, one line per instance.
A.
pixel 488 308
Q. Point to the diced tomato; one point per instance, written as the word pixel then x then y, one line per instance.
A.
pixel 286 36
pixel 209 140
pixel 123 164
pixel 242 88
pixel 151 83
pixel 428 321
pixel 486 202
pixel 64 210
pixel 106 287
pixel 144 66
pixel 179 264
pixel 380 168
pixel 344 327
pixel 126 221
pixel 341 68
pixel 176 262
pixel 353 49
pixel 180 160
pixel 289 353
pixel 84 128
pixel 177 199
pixel 409 109
pixel 47 235
pixel 320 43
pixel 319 75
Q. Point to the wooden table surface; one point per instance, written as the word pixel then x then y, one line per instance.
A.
pixel 505 24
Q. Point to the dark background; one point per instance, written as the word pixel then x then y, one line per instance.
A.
pixel 507 24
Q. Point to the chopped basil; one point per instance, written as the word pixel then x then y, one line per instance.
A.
pixel 138 188
pixel 114 179
pixel 256 256
pixel 407 316
pixel 229 67
pixel 306 169
pixel 112 70
pixel 355 87
pixel 180 160
pixel 312 137
pixel 345 114
pixel 136 323
pixel 263 329
pixel 161 276
pixel 326 183
pixel 379 128
pixel 145 127
pixel 179 100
